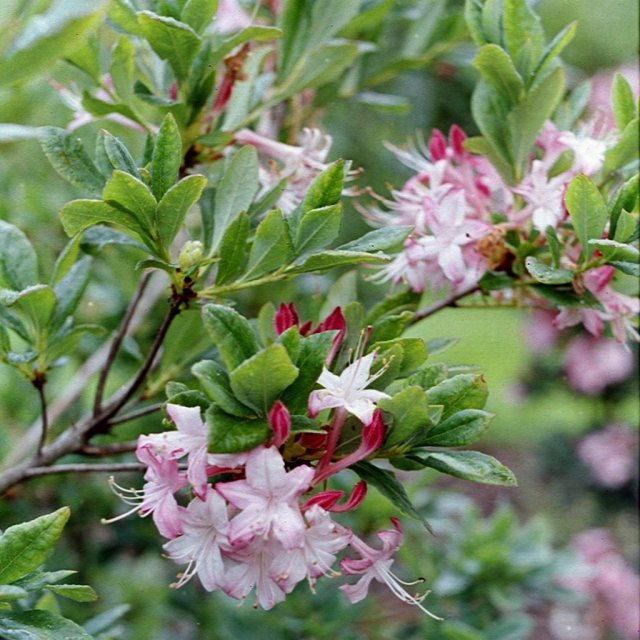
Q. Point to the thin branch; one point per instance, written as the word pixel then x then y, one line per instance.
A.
pixel 35 472
pixel 117 342
pixel 443 304
pixel 138 413
pixel 39 383
pixel 99 451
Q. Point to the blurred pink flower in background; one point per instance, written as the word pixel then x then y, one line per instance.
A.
pixel 610 455
pixel 593 363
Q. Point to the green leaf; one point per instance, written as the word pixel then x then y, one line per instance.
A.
pixel 39 625
pixel 98 237
pixel 233 250
pixel 18 260
pixel 389 486
pixel 174 41
pixel 334 258
pixel 554 245
pixel 312 356
pixel 326 189
pixel 459 429
pixel 546 274
pixel 198 14
pixel 627 225
pixel 630 268
pixel 38 303
pixel 410 416
pixel 118 155
pixel 496 67
pixel 272 247
pixel 259 381
pixel 468 465
pixel 214 380
pixel 47 37
pixel 231 334
pixel 526 119
pixel 626 199
pixel 387 239
pixel 229 434
pixel 10 592
pixel 617 251
pixel 522 31
pixel 473 18
pixel 69 290
pixel 166 158
pixel 76 592
pixel 625 151
pixel 39 579
pixel 587 210
pixel 257 33
pixel 622 102
pixel 554 49
pixel 318 228
pixel 175 204
pixel 123 15
pixel 122 68
pixel 101 108
pixel 462 391
pixel 24 547
pixel 68 157
pixel 125 191
pixel 235 192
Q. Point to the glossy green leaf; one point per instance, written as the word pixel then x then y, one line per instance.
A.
pixel 587 210
pixel 622 101
pixel 462 391
pixel 124 191
pixel 233 250
pixel 39 625
pixel 272 247
pixel 24 547
pixel 68 157
pixel 231 334
pixel 410 417
pixel 617 251
pixel 174 41
pixel 467 465
pixel 459 429
pixel 389 486
pixel 547 274
pixel 554 49
pixel 166 158
pixel 18 260
pixel 326 189
pixel 214 380
pixel 47 37
pixel 625 150
pixel 387 239
pixel 333 258
pixel 496 67
pixel 198 14
pixel 175 204
pixel 236 191
pixel 229 434
pixel 318 228
pixel 312 356
pixel 258 381
pixel 76 592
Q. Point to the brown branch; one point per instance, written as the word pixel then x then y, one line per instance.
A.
pixel 451 301
pixel 117 342
pixel 39 382
pixel 35 472
pixel 103 450
pixel 138 413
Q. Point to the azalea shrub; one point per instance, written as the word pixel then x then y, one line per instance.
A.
pixel 264 377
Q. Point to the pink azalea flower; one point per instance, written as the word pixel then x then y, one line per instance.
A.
pixel 268 499
pixel 231 17
pixel 376 564
pixel 610 454
pixel 591 364
pixel 203 538
pixel 348 390
pixel 156 497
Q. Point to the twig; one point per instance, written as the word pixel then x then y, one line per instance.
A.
pixel 442 304
pixel 138 413
pixel 117 448
pixel 117 342
pixel 39 383
pixel 35 472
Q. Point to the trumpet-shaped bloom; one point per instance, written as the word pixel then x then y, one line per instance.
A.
pixel 348 390
pixel 268 499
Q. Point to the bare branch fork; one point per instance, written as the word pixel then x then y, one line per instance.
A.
pixel 76 437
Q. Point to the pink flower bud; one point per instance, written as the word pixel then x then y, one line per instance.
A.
pixel 280 422
pixel 437 145
pixel 285 318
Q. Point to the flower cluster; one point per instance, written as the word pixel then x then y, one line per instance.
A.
pixel 262 518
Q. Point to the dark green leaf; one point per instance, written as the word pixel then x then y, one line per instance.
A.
pixel 318 228
pixel 119 155
pixel 496 67
pixel 39 625
pixel 468 465
pixel 233 250
pixel 215 383
pixel 587 210
pixel 18 260
pixel 98 237
pixel 258 381
pixel 69 290
pixel 410 417
pixel 326 189
pixel 125 191
pixel 460 429
pixel 229 434
pixel 272 247
pixel 231 334
pixel 617 251
pixel 462 391
pixel 546 274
